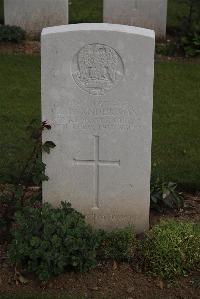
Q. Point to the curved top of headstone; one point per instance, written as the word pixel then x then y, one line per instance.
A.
pixel 99 27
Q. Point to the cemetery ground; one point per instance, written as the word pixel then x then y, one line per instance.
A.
pixel 175 157
pixel 108 279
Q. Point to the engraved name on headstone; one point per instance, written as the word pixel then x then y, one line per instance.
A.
pixel 97 93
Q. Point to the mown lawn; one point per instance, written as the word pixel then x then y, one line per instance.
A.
pixel 176 125
pixel 19 103
pixel 83 11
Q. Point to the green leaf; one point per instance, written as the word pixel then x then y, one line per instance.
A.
pixel 47 146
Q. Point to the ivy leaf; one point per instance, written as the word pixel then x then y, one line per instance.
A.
pixel 46 125
pixel 47 146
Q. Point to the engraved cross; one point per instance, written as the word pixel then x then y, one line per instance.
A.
pixel 96 163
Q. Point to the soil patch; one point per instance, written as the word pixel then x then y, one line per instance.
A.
pixel 105 281
pixel 190 211
pixel 108 280
pixel 27 47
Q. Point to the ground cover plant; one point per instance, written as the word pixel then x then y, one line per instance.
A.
pixel 49 241
pixel 172 248
pixel 175 151
pixel 164 196
pixel 118 245
pixel 54 241
pixel 11 34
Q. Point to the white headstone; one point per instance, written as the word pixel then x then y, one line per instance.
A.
pixel 97 93
pixel 34 15
pixel 151 14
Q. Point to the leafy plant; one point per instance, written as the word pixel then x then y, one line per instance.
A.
pixel 190 29
pixel 11 34
pixel 48 241
pixel 118 245
pixel 165 196
pixel 34 169
pixel 14 196
pixel 191 44
pixel 185 31
pixel 172 248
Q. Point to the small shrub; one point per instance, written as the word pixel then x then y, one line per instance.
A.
pixel 118 245
pixel 11 34
pixel 172 248
pixel 48 241
pixel 164 196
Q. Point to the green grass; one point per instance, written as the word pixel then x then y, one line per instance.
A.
pixel 19 103
pixel 176 126
pixel 86 11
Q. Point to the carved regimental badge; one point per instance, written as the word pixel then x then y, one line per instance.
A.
pixel 97 68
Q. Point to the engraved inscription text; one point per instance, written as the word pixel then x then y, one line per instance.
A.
pixel 97 116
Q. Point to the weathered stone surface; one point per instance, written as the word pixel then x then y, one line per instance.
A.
pixel 150 14
pixel 97 93
pixel 34 15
